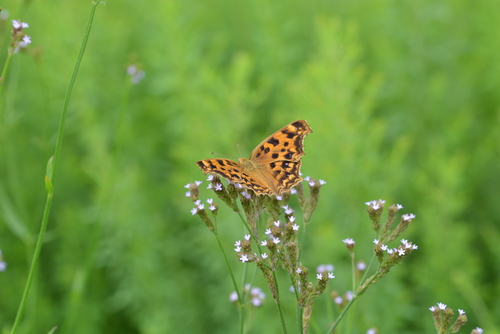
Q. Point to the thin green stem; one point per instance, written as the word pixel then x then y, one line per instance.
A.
pixel 278 304
pixel 4 71
pixel 238 292
pixel 52 172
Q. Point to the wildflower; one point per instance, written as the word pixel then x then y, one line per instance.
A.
pixel 19 39
pixel 330 276
pixel 295 227
pixel 233 297
pixel 441 306
pixel 298 271
pixel 264 256
pixel 264 243
pixel 17 24
pixel 135 74
pixel 323 268
pixel 408 216
pixel 288 210
pixel 361 266
pixel 244 258
pixel 349 242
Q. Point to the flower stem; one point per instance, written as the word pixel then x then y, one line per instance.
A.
pixel 51 170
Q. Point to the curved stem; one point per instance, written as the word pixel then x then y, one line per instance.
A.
pixel 51 174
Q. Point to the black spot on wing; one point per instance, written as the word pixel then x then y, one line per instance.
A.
pixel 273 141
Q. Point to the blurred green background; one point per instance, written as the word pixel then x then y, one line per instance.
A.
pixel 404 101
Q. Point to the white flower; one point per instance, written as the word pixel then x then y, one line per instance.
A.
pixel 432 308
pixel 323 268
pixel 298 271
pixel 295 227
pixel 244 258
pixel 461 312
pixel 194 211
pixel 288 210
pixel 361 265
pixel 330 276
pixel 264 256
pixel 277 223
pixel 276 240
pixel 349 295
pixel 188 194
pixel 399 206
pixel 348 241
pixel 268 231
pixel 322 182
pixel 291 219
pixel 319 276
pixel 408 216
pixel 442 306
pixel 247 236
pixel 233 297
pixel 263 243
pixel 17 24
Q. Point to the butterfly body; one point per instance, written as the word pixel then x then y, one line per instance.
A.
pixel 274 165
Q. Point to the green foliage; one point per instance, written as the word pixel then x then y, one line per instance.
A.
pixel 403 101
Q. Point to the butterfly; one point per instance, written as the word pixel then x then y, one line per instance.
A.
pixel 274 165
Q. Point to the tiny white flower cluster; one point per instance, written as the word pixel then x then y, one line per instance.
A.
pixel 375 205
pixel 324 269
pixel 400 250
pixel 135 74
pixel 256 295
pixel 200 206
pixel 218 186
pixel 312 182
pixel 189 187
pixel 348 241
pixel 18 28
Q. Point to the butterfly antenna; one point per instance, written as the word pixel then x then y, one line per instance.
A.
pixel 239 151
